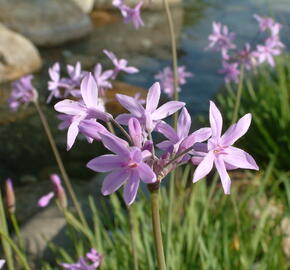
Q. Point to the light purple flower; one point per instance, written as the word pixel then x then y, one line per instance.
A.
pixel 59 193
pixel 102 78
pixel 76 75
pixel 89 108
pixel 180 140
pixel 221 39
pixel 166 79
pixel 55 83
pixel 266 52
pixel 95 257
pixel 247 57
pixel 22 92
pixel 130 14
pixel 120 65
pixel 80 265
pixel 220 149
pixel 126 166
pixel 2 262
pixel 265 23
pixel 150 115
pixel 231 71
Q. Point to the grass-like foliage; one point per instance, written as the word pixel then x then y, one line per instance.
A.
pixel 266 94
pixel 208 229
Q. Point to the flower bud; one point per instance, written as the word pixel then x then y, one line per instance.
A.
pixel 59 190
pixel 10 197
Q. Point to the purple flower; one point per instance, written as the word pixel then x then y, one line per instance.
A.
pixel 231 72
pixel 166 79
pixel 80 265
pixel 221 39
pixel 265 23
pixel 126 166
pixel 266 52
pixel 120 65
pixel 102 78
pixel 95 257
pixel 247 57
pixel 130 14
pixel 220 149
pixel 89 108
pixel 150 115
pixel 58 192
pixel 180 140
pixel 22 92
pixel 73 82
pixel 55 83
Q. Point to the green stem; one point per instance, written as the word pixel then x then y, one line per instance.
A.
pixel 3 227
pixel 125 133
pixel 133 237
pixel 18 252
pixel 239 95
pixel 60 163
pixel 17 231
pixel 173 52
pixel 157 229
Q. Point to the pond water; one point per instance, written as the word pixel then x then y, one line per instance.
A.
pixel 26 151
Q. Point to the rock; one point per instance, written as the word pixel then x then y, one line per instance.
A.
pixel 85 5
pixel 45 23
pixel 18 56
pixel 149 4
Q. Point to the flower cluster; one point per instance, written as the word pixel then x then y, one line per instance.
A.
pixel 130 14
pixel 134 158
pixel 91 261
pixel 22 92
pixel 221 40
pixel 63 87
pixel 166 79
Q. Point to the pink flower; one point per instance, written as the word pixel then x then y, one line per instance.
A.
pixel 220 149
pixel 221 39
pixel 120 65
pixel 247 57
pixel 127 167
pixel 231 72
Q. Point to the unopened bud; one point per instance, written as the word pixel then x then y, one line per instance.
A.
pixel 10 197
pixel 59 191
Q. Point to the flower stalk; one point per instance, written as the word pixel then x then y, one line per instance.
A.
pixel 154 190
pixel 60 163
pixel 239 96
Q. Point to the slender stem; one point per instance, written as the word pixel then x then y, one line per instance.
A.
pixel 174 54
pixel 239 95
pixel 111 128
pixel 125 133
pixel 133 237
pixel 60 163
pixel 157 229
pixel 18 252
pixel 17 231
pixel 3 227
pixel 178 156
pixel 153 148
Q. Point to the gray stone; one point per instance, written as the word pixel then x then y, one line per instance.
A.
pixel 85 5
pixel 18 56
pixel 45 22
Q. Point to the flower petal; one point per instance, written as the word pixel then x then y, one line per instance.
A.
pixel 239 158
pixel 71 107
pixel 124 118
pixel 44 200
pixel 91 129
pixel 105 163
pixel 167 109
pixel 114 181
pixel 153 97
pixel 204 167
pixel 135 132
pixel 221 168
pixel 167 131
pixel 198 136
pixel 115 144
pixel 72 133
pixel 131 187
pixel 131 104
pixel 183 124
pixel 89 90
pixel 146 173
pixel 237 130
pixel 216 120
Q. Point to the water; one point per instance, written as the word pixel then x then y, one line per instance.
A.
pixel 26 150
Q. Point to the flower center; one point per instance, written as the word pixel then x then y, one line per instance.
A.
pixel 133 165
